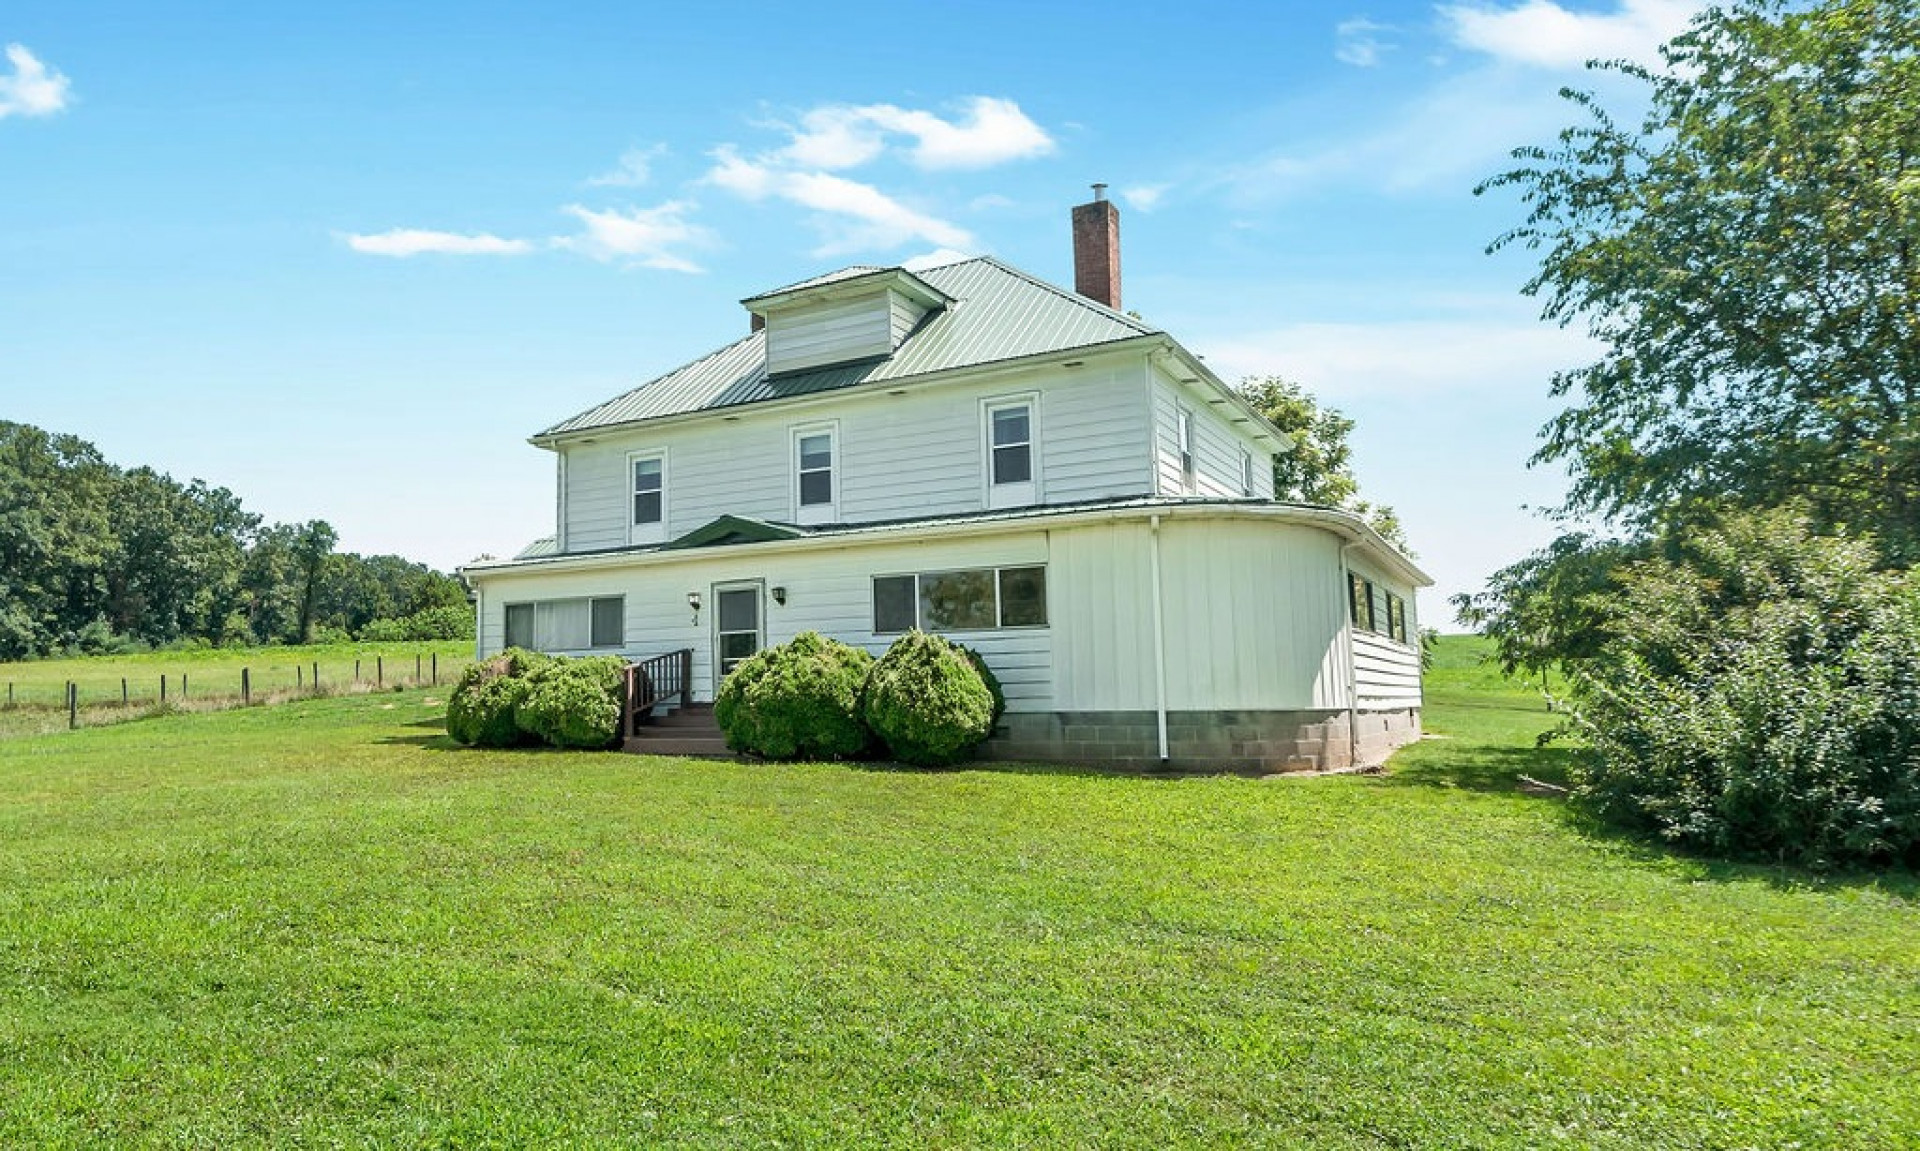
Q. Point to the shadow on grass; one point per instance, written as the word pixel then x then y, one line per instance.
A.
pixel 1447 763
pixel 441 742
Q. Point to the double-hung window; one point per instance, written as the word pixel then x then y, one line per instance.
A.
pixel 1012 466
pixel 649 474
pixel 816 489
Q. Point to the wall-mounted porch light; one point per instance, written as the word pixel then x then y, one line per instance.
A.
pixel 780 596
pixel 693 601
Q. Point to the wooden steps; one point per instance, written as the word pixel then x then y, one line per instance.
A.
pixel 689 730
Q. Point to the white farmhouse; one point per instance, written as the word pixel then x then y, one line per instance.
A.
pixel 1027 470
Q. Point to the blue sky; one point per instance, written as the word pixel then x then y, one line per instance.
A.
pixel 344 258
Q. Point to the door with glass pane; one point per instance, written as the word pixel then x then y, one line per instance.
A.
pixel 738 631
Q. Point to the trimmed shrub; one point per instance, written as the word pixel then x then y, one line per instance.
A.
pixel 573 703
pixel 454 621
pixel 987 677
pixel 800 700
pixel 927 702
pixel 483 710
pixel 1759 695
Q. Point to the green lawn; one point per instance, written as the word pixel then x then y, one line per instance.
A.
pixel 318 923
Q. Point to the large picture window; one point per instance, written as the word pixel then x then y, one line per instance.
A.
pixel 974 599
pixel 567 624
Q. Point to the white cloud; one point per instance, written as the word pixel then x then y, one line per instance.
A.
pixel 1359 42
pixel 835 136
pixel 992 131
pixel 1544 34
pixel 634 170
pixel 33 89
pixel 403 242
pixel 1145 197
pixel 649 237
pixel 938 258
pixel 854 216
pixel 1404 358
pixel 988 131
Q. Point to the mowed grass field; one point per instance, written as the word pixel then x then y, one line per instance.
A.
pixel 320 923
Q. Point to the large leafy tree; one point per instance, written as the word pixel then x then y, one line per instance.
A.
pixel 1319 469
pixel 1748 254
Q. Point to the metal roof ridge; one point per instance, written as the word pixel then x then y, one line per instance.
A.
pixel 1140 326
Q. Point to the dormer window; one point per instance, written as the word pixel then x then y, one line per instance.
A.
pixel 1012 477
pixel 846 317
pixel 649 470
pixel 815 486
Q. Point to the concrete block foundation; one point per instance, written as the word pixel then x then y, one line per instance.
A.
pixel 1205 741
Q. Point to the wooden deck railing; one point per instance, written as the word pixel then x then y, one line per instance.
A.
pixel 652 682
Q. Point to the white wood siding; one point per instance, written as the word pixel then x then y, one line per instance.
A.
pixel 904 315
pixel 829 332
pixel 1217 443
pixel 918 454
pixel 1252 614
pixel 1386 673
pixel 828 591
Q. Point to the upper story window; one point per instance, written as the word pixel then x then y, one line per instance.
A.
pixel 649 471
pixel 1184 433
pixel 1012 471
pixel 1246 472
pixel 816 489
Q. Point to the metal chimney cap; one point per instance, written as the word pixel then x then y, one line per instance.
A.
pixel 1099 192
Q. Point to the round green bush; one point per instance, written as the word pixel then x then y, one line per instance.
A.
pixel 927 702
pixel 987 677
pixel 573 703
pixel 799 700
pixel 481 711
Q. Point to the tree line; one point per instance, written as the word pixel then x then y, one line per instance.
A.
pixel 96 557
pixel 1735 605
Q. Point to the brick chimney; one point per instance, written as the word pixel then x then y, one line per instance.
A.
pixel 1096 249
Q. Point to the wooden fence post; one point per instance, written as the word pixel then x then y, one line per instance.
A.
pixel 73 705
pixel 183 685
pixel 9 693
pixel 436 673
pixel 416 667
pixel 163 687
pixel 123 691
pixel 379 671
pixel 316 675
pixel 299 677
pixel 246 687
pixel 356 671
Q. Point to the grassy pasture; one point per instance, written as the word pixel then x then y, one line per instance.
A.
pixel 37 688
pixel 320 923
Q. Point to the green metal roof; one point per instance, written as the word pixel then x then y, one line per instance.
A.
pixel 998 313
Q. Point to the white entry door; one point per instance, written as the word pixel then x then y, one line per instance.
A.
pixel 738 624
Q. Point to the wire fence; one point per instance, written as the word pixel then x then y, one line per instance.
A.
pixel 108 694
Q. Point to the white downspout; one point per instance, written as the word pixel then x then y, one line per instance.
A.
pixel 1353 674
pixel 479 622
pixel 1159 643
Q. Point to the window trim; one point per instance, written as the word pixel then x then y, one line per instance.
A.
pixel 534 605
pixel 1016 493
pixel 651 533
pixel 828 512
pixel 999 603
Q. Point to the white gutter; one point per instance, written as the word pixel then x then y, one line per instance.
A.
pixel 1159 643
